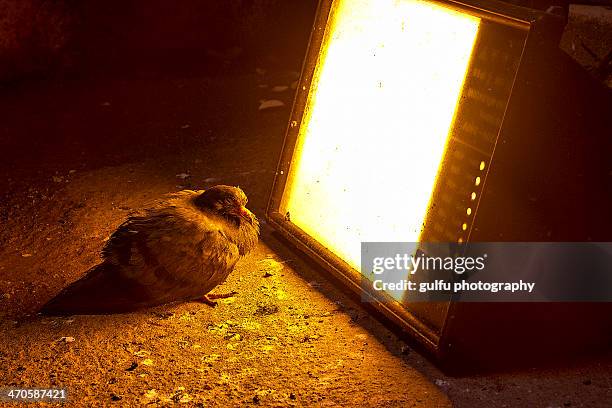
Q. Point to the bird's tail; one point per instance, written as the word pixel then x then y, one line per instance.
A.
pixel 101 291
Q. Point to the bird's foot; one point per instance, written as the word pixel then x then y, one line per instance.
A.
pixel 209 298
pixel 221 295
pixel 207 301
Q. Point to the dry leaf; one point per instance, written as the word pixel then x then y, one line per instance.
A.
pixel 151 394
pixel 270 103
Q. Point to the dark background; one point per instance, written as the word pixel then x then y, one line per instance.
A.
pixel 47 38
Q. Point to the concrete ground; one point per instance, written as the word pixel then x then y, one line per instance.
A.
pixel 78 156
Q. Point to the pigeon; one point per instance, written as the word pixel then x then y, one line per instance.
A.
pixel 177 250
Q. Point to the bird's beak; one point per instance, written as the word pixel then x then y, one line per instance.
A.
pixel 246 214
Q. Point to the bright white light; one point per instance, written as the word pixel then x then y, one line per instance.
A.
pixel 377 121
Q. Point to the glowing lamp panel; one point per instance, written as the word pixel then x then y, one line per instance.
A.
pixel 377 121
